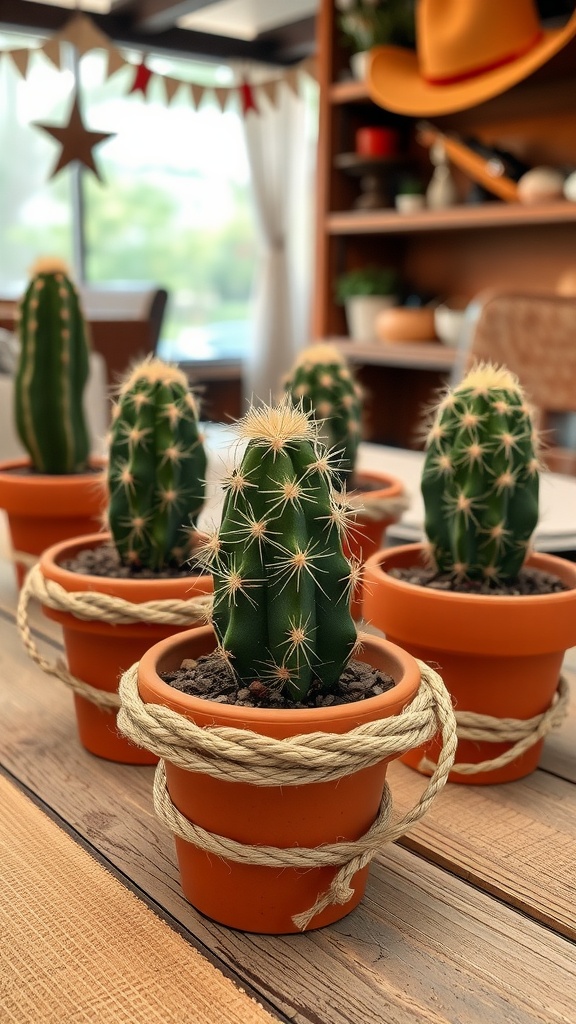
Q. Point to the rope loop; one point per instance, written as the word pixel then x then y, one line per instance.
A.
pixel 371 507
pixel 522 733
pixel 244 756
pixel 90 605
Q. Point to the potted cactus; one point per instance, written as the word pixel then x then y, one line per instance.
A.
pixel 58 492
pixel 365 292
pixel 270 671
pixel 474 600
pixel 116 593
pixel 321 381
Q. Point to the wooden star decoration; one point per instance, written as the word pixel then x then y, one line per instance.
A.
pixel 77 141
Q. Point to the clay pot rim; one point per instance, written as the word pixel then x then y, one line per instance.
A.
pixel 392 486
pixel 97 462
pixel 538 560
pixel 259 719
pixel 129 589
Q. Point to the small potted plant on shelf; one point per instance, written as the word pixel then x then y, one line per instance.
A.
pixel 410 197
pixel 322 383
pixel 236 702
pixel 115 593
pixel 368 23
pixel 474 600
pixel 58 492
pixel 365 292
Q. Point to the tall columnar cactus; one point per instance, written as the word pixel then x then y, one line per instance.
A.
pixel 480 479
pixel 52 372
pixel 157 467
pixel 322 383
pixel 281 581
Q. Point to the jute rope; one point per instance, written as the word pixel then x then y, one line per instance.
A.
pixel 244 756
pixel 523 733
pixel 370 507
pixel 25 558
pixel 89 605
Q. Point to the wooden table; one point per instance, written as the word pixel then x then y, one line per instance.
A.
pixel 471 918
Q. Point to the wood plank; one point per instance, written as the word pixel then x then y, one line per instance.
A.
pixel 456 218
pixel 430 355
pixel 531 818
pixel 516 841
pixel 423 947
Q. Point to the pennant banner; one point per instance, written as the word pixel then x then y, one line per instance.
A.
pixel 81 32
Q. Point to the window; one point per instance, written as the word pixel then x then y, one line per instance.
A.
pixel 173 208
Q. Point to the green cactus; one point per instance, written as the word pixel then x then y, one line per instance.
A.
pixel 157 466
pixel 322 383
pixel 52 372
pixel 281 581
pixel 480 478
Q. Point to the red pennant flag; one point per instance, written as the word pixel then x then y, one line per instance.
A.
pixel 141 78
pixel 247 98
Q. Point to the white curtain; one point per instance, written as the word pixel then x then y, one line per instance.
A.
pixel 281 149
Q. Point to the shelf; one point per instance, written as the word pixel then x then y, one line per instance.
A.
pixel 352 91
pixel 456 218
pixel 416 355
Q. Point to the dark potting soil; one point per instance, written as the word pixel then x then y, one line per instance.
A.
pixel 210 679
pixel 529 582
pixel 105 561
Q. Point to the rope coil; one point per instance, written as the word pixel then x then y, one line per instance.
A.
pixel 373 508
pixel 523 733
pixel 244 756
pixel 90 605
pixel 24 558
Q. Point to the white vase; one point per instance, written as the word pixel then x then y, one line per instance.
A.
pixel 361 313
pixel 409 202
pixel 359 64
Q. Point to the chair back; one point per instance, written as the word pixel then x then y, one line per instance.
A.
pixel 534 335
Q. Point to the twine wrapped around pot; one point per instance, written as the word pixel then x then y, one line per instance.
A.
pixel 91 605
pixel 373 507
pixel 25 559
pixel 523 733
pixel 245 756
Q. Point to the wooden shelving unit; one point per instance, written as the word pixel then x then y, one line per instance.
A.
pixel 460 251
pixel 429 355
pixel 456 218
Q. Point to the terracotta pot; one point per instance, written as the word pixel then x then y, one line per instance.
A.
pixel 251 897
pixel 43 509
pixel 98 652
pixel 498 655
pixel 367 538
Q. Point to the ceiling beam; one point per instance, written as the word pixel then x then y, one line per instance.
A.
pixel 29 16
pixel 157 15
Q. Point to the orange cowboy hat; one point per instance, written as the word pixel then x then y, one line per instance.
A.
pixel 467 51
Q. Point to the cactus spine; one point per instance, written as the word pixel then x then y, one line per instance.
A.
pixel 52 372
pixel 157 467
pixel 480 478
pixel 321 382
pixel 281 581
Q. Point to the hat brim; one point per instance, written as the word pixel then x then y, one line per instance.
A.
pixel 394 80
